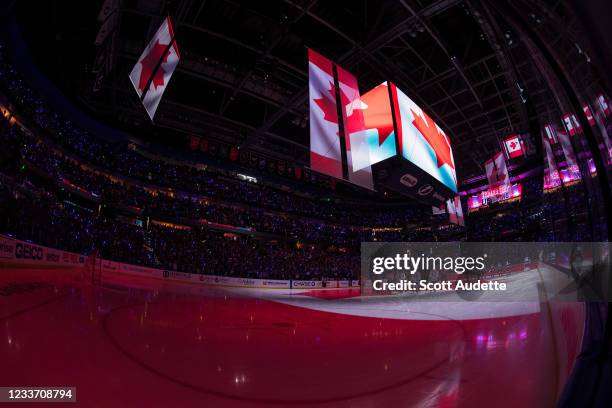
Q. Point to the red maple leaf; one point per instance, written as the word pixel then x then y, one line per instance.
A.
pixel 378 114
pixel 149 62
pixel 328 104
pixel 352 123
pixel 435 138
pixel 356 120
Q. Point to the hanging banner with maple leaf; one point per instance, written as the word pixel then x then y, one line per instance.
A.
pixel 497 171
pixel 571 124
pixel 155 66
pixel 325 150
pixel 551 133
pixel 514 146
pixel 423 143
pixel 551 174
pixel 568 150
pixel 455 211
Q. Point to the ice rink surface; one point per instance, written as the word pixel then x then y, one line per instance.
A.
pixel 136 342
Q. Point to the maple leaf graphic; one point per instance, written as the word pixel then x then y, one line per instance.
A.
pixel 328 104
pixel 378 114
pixel 352 114
pixel 436 139
pixel 149 62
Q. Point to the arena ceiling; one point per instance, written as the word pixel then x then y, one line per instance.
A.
pixel 243 73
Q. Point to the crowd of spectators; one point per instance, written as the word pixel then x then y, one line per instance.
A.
pixel 57 180
pixel 65 187
pixel 36 157
pixel 538 216
pixel 33 213
pixel 119 158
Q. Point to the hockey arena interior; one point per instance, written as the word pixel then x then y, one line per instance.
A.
pixel 305 203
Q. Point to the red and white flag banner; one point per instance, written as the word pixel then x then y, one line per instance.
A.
pixel 455 211
pixel 571 124
pixel 155 66
pixel 551 163
pixel 514 147
pixel 604 105
pixel 491 172
pixel 568 150
pixel 551 133
pixel 589 114
pixel 325 151
pixel 497 171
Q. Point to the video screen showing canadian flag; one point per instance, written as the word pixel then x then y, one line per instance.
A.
pixel 423 142
pixel 376 134
pixel 514 147
pixel 325 132
pixel 325 153
pixel 354 118
pixel 417 161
